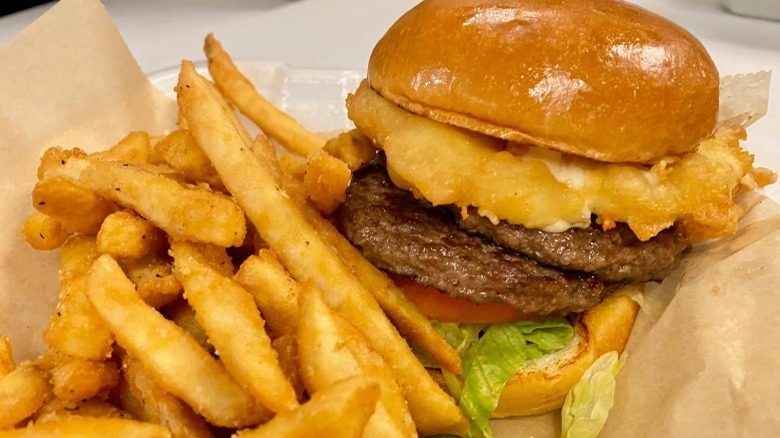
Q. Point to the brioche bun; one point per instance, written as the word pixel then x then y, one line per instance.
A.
pixel 542 385
pixel 601 79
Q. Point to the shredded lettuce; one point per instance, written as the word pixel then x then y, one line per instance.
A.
pixel 491 355
pixel 588 403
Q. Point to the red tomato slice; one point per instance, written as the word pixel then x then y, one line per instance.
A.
pixel 438 306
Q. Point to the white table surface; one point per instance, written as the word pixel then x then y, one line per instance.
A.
pixel 340 34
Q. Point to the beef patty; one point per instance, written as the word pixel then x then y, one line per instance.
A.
pixel 612 255
pixel 409 237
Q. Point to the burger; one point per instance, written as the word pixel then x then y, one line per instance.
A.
pixel 539 159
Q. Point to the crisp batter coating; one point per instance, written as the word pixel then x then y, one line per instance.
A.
pixel 553 191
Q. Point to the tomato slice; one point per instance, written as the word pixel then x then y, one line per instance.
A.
pixel 438 306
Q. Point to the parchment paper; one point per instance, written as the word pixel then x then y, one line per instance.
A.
pixel 703 360
pixel 68 79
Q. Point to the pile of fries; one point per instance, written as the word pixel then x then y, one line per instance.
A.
pixel 203 291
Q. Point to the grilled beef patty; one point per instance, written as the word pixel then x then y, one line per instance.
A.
pixel 409 237
pixel 612 255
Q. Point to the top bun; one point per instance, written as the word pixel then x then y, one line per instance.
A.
pixel 601 79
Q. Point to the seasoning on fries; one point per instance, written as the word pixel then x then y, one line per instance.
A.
pixel 176 316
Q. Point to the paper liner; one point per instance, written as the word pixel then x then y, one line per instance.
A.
pixel 702 358
pixel 68 79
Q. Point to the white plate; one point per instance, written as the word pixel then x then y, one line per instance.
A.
pixel 316 98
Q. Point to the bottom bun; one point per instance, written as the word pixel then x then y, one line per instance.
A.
pixel 541 385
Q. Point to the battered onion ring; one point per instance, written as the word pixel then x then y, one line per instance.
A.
pixel 553 191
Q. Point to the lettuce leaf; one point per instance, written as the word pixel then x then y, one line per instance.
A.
pixel 492 354
pixel 588 403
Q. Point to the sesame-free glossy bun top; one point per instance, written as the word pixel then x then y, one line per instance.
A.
pixel 597 78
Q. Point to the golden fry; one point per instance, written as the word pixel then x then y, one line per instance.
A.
pixel 331 349
pixel 274 122
pixel 292 166
pixel 128 401
pixel 44 232
pixel 230 112
pixel 22 392
pixel 77 208
pixel 173 358
pixel 341 410
pixel 274 291
pixel 160 407
pixel 187 213
pixel 180 150
pixel 135 147
pixel 230 317
pixel 181 313
pixel 125 235
pixel 74 328
pixel 7 363
pixel 56 410
pixel 153 279
pixel 88 427
pixel 326 180
pixel 214 257
pixel 286 347
pixel 408 320
pixel 304 252
pixel 75 379
pixel 352 147
pixel 266 153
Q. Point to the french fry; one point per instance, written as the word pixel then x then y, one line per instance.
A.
pixel 125 235
pixel 44 232
pixel 286 347
pixel 160 407
pixel 88 427
pixel 56 156
pixel 187 213
pixel 126 400
pixel 78 209
pixel 180 150
pixel 7 363
pixel 75 379
pixel 351 147
pixel 172 357
pixel 292 166
pixel 56 410
pixel 134 147
pixel 22 392
pixel 266 153
pixel 326 180
pixel 237 88
pixel 410 322
pixel 181 313
pixel 274 291
pixel 331 349
pixel 214 257
pixel 74 328
pixel 230 111
pixel 304 252
pixel 153 279
pixel 341 410
pixel 233 323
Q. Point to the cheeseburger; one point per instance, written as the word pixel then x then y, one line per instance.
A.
pixel 538 158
